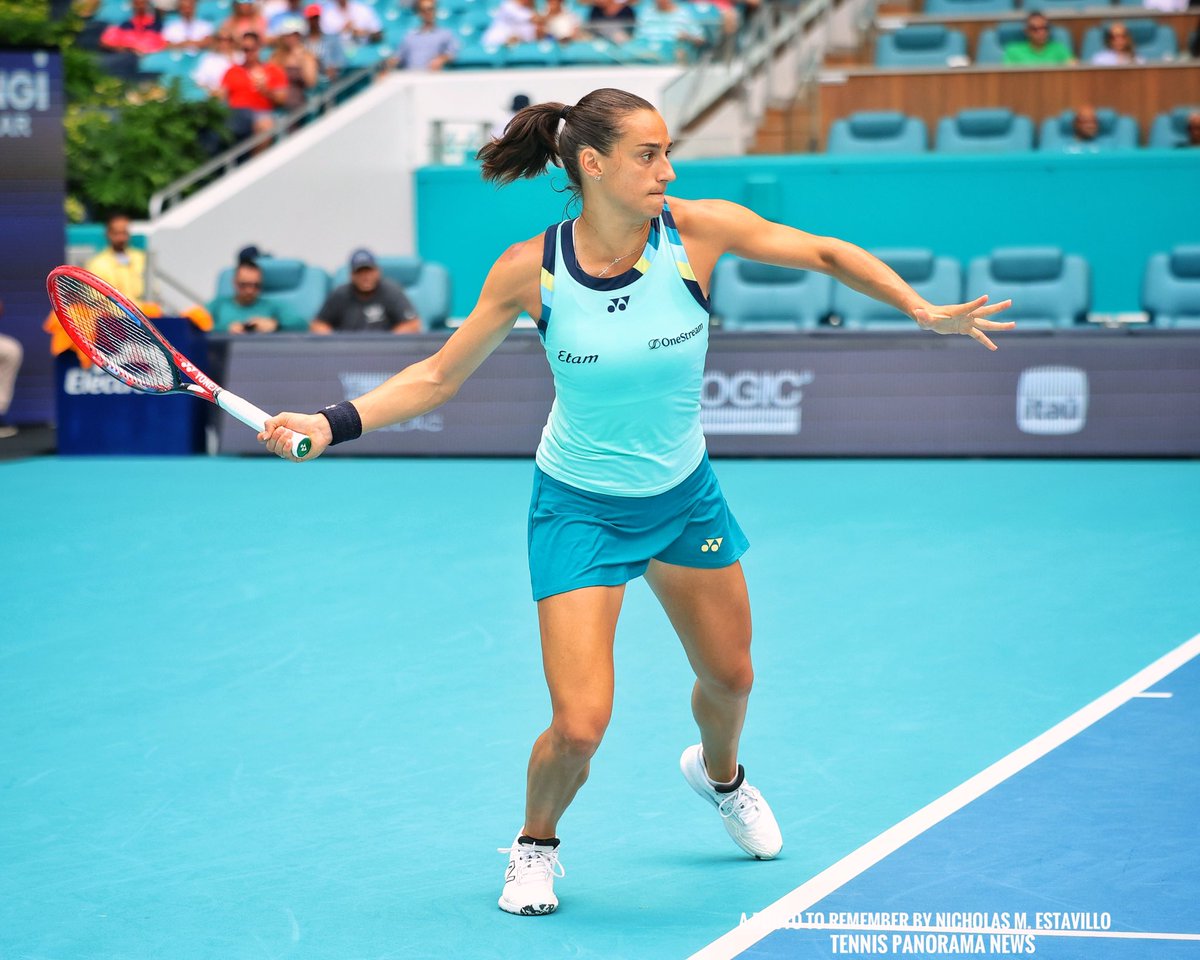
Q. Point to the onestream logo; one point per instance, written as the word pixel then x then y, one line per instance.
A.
pixel 1052 401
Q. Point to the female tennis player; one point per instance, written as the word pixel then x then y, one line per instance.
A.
pixel 622 487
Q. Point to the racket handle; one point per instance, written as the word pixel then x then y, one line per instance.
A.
pixel 252 416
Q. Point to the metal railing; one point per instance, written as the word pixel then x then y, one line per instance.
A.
pixel 223 163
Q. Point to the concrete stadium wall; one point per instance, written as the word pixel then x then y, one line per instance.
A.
pixel 1114 209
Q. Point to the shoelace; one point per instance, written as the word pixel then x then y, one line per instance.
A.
pixel 742 804
pixel 535 863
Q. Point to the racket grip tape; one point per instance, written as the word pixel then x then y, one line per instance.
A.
pixel 252 416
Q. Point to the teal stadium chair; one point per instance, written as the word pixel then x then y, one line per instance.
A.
pixel 538 53
pixel 427 285
pixel 919 45
pixel 968 7
pixel 589 53
pixel 991 130
pixel 168 63
pixel 473 55
pixel 292 282
pixel 1117 132
pixel 757 296
pixel 880 131
pixel 990 48
pixel 937 279
pixel 1169 130
pixel 1049 289
pixel 1171 288
pixel 1152 41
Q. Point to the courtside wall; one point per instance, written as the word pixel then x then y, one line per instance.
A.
pixel 1113 209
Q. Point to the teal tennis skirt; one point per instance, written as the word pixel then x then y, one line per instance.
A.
pixel 582 539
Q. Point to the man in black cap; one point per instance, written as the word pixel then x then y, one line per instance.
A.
pixel 369 302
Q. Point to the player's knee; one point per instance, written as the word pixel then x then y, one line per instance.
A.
pixel 733 681
pixel 580 733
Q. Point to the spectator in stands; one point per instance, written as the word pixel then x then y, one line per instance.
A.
pixel 254 90
pixel 1193 130
pixel 1085 128
pixel 671 22
pixel 612 19
pixel 186 31
pixel 215 62
pixel 729 14
pixel 299 66
pixel 10 365
pixel 329 51
pixel 119 264
pixel 560 24
pixel 141 33
pixel 514 21
pixel 369 302
pixel 427 46
pixel 1167 6
pixel 1037 49
pixel 245 18
pixel 279 13
pixel 351 20
pixel 1118 47
pixel 248 311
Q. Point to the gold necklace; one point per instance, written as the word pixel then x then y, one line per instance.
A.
pixel 624 256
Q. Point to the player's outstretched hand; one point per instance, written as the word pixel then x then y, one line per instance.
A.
pixel 969 319
pixel 278 434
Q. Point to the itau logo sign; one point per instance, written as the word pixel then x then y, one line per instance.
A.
pixel 1052 400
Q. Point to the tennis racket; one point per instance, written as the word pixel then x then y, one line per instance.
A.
pixel 119 339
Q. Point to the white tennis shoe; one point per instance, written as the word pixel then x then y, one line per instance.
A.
pixel 529 879
pixel 745 813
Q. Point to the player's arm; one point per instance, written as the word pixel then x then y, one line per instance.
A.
pixel 724 227
pixel 511 286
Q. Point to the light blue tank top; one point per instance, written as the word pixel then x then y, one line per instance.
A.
pixel 627 353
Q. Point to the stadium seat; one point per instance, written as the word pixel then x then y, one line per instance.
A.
pixel 169 63
pixel 1151 40
pixel 1169 129
pixel 293 282
pixel 992 130
pixel 919 45
pixel 1048 288
pixel 539 53
pixel 427 285
pixel 972 8
pixel 473 55
pixel 757 296
pixel 884 131
pixel 589 53
pixel 1051 7
pixel 1117 132
pixel 990 48
pixel 1171 287
pixel 937 279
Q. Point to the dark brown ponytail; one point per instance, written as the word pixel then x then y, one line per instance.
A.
pixel 532 138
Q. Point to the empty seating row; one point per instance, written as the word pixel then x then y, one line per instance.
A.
pixel 936 45
pixel 1049 290
pixel 998 130
pixel 304 287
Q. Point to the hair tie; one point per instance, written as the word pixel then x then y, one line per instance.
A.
pixel 562 114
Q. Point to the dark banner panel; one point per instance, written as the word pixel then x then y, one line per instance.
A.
pixel 1086 393
pixel 32 189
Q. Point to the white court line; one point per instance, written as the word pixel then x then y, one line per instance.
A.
pixel 824 883
pixel 988 931
pixel 1154 696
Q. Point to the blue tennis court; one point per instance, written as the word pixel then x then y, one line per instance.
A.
pixel 256 710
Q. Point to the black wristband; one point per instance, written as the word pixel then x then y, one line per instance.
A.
pixel 344 421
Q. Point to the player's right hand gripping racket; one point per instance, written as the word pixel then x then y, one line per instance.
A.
pixel 120 340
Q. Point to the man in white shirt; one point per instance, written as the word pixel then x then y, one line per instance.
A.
pixel 185 31
pixel 351 18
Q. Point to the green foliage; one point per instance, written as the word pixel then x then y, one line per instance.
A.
pixel 124 141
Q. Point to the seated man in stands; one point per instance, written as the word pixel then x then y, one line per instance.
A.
pixel 612 19
pixel 215 62
pixel 248 311
pixel 514 21
pixel 427 46
pixel 186 31
pixel 141 33
pixel 667 21
pixel 369 302
pixel 560 24
pixel 329 51
pixel 1037 49
pixel 1085 128
pixel 351 20
pixel 254 90
pixel 119 264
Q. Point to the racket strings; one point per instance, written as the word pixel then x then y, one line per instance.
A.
pixel 117 340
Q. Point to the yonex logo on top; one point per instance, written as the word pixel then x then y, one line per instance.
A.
pixel 617 303
pixel 713 544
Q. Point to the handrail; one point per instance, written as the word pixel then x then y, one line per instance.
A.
pixel 225 161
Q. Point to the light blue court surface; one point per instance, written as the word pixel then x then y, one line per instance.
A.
pixel 252 710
